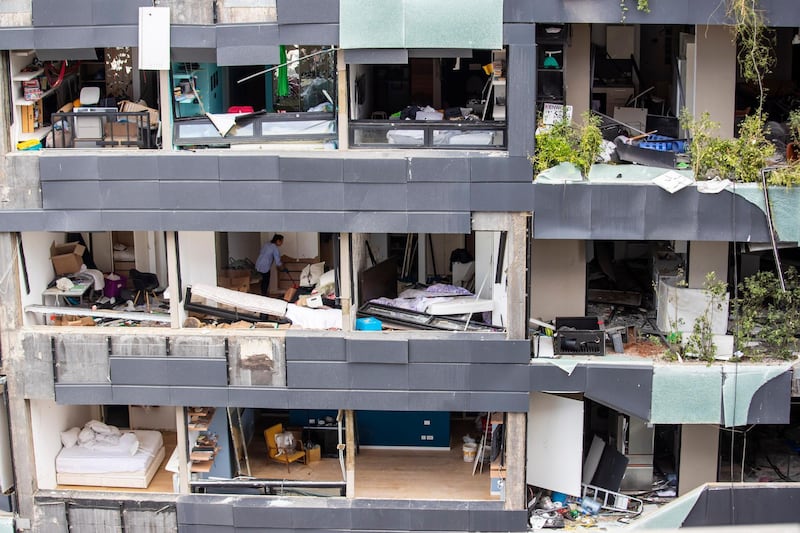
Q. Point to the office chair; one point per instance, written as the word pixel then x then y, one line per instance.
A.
pixel 144 283
pixel 276 453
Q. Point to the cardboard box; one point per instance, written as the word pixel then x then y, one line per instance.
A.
pixel 67 258
pixel 129 107
pixel 314 454
pixel 121 131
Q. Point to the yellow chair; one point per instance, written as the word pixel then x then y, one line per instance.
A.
pixel 277 454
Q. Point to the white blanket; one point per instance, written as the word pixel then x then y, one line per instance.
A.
pixel 100 459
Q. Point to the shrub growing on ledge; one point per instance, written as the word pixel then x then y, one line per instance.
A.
pixel 564 142
pixel 767 316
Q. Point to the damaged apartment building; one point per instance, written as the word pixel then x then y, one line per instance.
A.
pixel 449 337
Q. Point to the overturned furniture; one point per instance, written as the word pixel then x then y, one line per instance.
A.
pixel 239 304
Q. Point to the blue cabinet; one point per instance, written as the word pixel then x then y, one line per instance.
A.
pixel 196 89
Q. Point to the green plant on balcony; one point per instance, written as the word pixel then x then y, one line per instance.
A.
pixel 565 142
pixel 700 342
pixel 755 42
pixel 767 317
pixel 641 5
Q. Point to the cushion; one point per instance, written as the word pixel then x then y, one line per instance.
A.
pixel 311 274
pixel 69 438
pixel 86 436
pixel 101 428
pixel 129 442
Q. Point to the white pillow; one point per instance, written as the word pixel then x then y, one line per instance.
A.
pixel 327 278
pixel 311 273
pixel 101 428
pixel 128 441
pixel 85 436
pixel 69 438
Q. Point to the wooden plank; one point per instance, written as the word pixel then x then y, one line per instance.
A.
pixel 630 298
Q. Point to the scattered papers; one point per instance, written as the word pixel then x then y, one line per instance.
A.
pixel 672 181
pixel 553 113
pixel 713 186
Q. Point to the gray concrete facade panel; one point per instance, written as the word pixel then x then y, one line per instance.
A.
pixel 197 372
pixel 188 166
pixel 498 377
pixel 125 220
pixel 498 520
pixel 314 398
pixel 377 376
pixel 771 404
pixel 438 401
pixel 381 400
pixel 375 196
pixel 438 196
pixel 310 169
pixel 198 395
pixel 371 222
pixel 448 222
pixel 310 34
pixel 247 35
pixel 512 402
pixel 445 169
pixel 126 168
pixel 196 509
pixel 183 195
pixel 56 167
pixel 251 195
pixel 258 397
pixel 249 167
pixel 148 371
pixel 626 388
pixel 193 37
pixel 439 377
pixel 17 38
pixel 607 11
pixel 64 38
pixel 71 195
pixel 375 518
pixel 376 56
pixel 126 12
pixel 128 194
pixel 243 55
pixel 521 122
pixel 138 395
pixel 80 220
pixel 312 196
pixel 83 394
pixel 315 348
pixel 375 170
pixel 317 374
pixel 519 33
pixel 501 197
pixel 313 221
pixel 551 378
pixel 384 351
pixel 609 221
pixel 253 220
pixel 61 13
pixel 307 11
pixel 500 169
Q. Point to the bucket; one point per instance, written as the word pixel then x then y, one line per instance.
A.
pixel 113 287
pixel 470 451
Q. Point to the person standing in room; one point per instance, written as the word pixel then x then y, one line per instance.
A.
pixel 269 255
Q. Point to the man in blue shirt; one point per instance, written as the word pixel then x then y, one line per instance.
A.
pixel 268 256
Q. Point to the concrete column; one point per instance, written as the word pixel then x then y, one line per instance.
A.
pixel 346 296
pixel 558 278
pixel 705 257
pixel 577 74
pixel 517 278
pixel 165 109
pixel 5 126
pixel 515 461
pixel 14 367
pixel 698 456
pixel 342 99
pixel 176 311
pixel 715 75
pixel 183 455
pixel 350 453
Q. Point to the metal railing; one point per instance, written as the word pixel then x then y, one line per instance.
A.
pixel 101 128
pixel 432 134
pixel 257 128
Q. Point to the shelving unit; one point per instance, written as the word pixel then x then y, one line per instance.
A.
pixel 194 83
pixel 499 84
pixel 551 43
pixel 205 446
pixel 28 113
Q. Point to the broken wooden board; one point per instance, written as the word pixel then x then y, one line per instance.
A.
pixel 630 298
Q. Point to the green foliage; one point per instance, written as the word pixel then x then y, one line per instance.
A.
pixel 767 316
pixel 794 125
pixel 701 340
pixel 740 159
pixel 641 5
pixel 565 142
pixel 756 42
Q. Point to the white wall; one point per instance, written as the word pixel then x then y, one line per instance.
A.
pixel 699 456
pixel 39 268
pixel 242 245
pixel 48 420
pixel 558 278
pixel 706 257
pixel 197 250
pixel 577 75
pixel 715 68
pixel 300 245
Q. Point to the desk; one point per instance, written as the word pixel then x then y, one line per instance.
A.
pixel 77 291
pixel 326 436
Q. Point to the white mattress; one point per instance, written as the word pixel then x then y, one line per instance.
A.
pixel 459 305
pixel 80 460
pixel 124 255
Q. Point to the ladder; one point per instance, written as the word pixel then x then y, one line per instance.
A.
pixel 613 501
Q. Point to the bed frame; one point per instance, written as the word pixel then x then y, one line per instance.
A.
pixel 136 480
